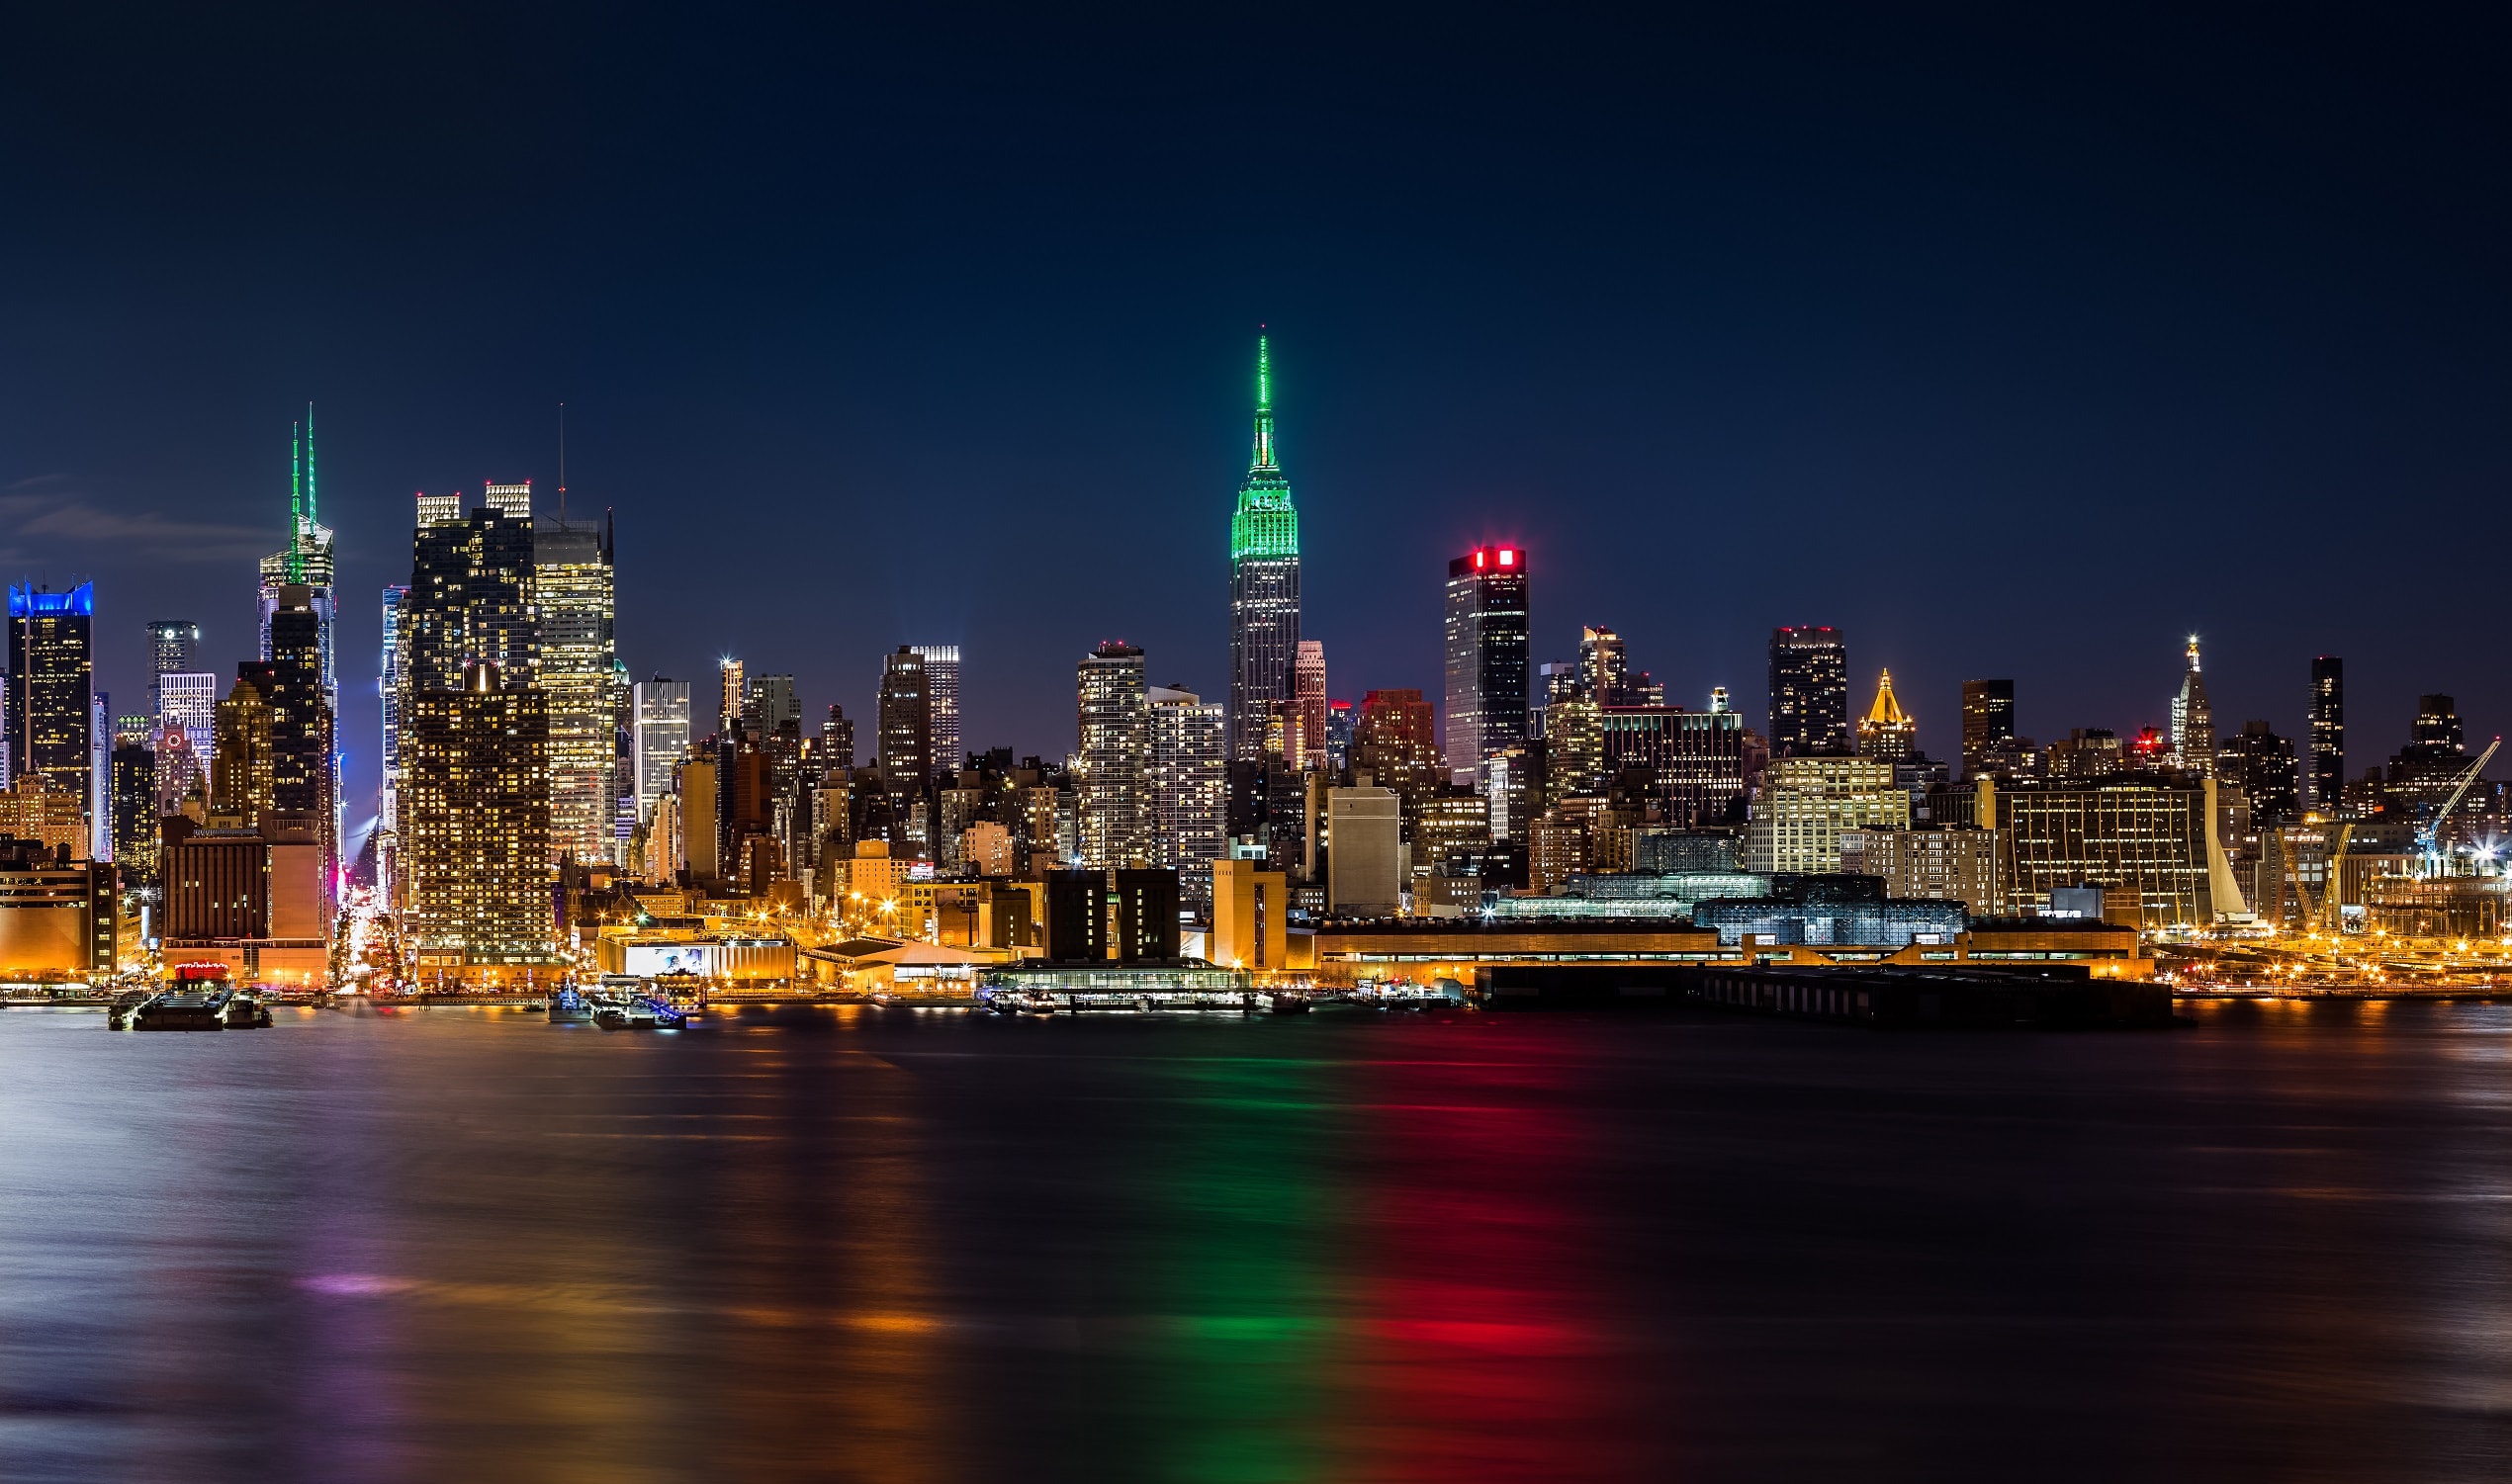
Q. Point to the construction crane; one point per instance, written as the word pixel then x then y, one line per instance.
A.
pixel 2429 834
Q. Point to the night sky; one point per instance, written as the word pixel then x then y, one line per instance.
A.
pixel 2012 347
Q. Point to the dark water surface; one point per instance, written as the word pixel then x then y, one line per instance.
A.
pixel 914 1246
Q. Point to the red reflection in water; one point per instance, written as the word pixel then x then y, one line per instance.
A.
pixel 1484 1346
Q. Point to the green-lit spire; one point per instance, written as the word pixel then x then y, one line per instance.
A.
pixel 1265 524
pixel 296 502
pixel 312 512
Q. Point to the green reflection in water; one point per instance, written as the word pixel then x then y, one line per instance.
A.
pixel 1236 1384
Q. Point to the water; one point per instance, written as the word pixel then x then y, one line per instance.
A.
pixel 907 1246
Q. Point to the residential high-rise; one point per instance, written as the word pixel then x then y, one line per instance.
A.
pixel 1988 717
pixel 244 770
pixel 660 732
pixel 1808 800
pixel 2325 774
pixel 2194 720
pixel 1488 664
pixel 1887 731
pixel 387 814
pixel 836 740
pixel 1602 669
pixel 477 841
pixel 1809 691
pixel 1396 743
pixel 2263 763
pixel 941 687
pixel 471 602
pixel 1308 683
pixel 135 811
pixel 1264 582
pixel 573 593
pixel 906 721
pixel 768 703
pixel 303 776
pixel 51 697
pixel 515 501
pixel 1113 764
pixel 1190 785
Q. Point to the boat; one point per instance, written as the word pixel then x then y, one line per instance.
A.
pixel 182 1009
pixel 638 1012
pixel 245 1012
pixel 568 1007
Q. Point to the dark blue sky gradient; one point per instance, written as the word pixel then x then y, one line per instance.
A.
pixel 2013 347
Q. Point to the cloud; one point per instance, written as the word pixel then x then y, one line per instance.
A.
pixel 39 513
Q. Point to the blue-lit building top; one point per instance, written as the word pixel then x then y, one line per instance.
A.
pixel 1818 910
pixel 26 601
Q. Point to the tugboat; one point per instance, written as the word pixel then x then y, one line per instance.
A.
pixel 245 1012
pixel 197 999
pixel 568 1007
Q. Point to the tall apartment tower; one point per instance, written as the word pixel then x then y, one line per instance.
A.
pixel 658 730
pixel 1264 582
pixel 1112 775
pixel 477 847
pixel 2193 719
pixel 2325 774
pixel 304 779
pixel 52 695
pixel 733 695
pixel 906 720
pixel 1988 717
pixel 470 615
pixel 574 591
pixel 942 683
pixel 1490 666
pixel 387 814
pixel 1190 789
pixel 1809 691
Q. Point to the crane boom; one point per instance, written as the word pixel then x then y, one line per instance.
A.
pixel 2433 829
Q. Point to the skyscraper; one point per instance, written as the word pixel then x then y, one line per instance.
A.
pixel 573 590
pixel 1115 760
pixel 51 699
pixel 1602 667
pixel 1189 783
pixel 387 814
pixel 836 740
pixel 515 501
pixel 1887 731
pixel 941 686
pixel 477 847
pixel 1988 717
pixel 1264 582
pixel 906 721
pixel 174 646
pixel 1809 691
pixel 2325 776
pixel 306 562
pixel 768 703
pixel 243 772
pixel 660 732
pixel 733 695
pixel 2194 720
pixel 1310 688
pixel 469 606
pixel 304 780
pixel 1489 663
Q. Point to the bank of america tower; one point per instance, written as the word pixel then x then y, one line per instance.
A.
pixel 1264 582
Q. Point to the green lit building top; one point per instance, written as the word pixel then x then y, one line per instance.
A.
pixel 1264 582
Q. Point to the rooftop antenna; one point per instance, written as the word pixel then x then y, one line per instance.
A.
pixel 562 465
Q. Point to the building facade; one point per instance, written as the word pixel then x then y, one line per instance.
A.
pixel 51 696
pixel 2193 719
pixel 942 689
pixel 1809 691
pixel 2325 779
pixel 1694 760
pixel 1490 666
pixel 574 594
pixel 1987 719
pixel 476 840
pixel 1190 787
pixel 1113 764
pixel 1806 803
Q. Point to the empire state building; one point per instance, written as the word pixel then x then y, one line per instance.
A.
pixel 1264 582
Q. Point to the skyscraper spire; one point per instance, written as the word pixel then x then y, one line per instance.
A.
pixel 296 502
pixel 312 513
pixel 1263 457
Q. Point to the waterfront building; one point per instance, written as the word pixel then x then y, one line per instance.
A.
pixel 1264 582
pixel 52 698
pixel 941 687
pixel 659 728
pixel 1987 720
pixel 1696 761
pixel 2193 720
pixel 1809 691
pixel 1190 786
pixel 1251 916
pixel 574 593
pixel 58 915
pixel 247 896
pixel 477 841
pixel 1113 764
pixel 1366 873
pixel 1488 664
pixel 2139 834
pixel 1944 861
pixel 1808 800
pixel 1667 849
pixel 2324 782
pixel 1843 909
pixel 1887 731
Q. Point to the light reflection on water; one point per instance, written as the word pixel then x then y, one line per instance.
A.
pixel 878 1245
